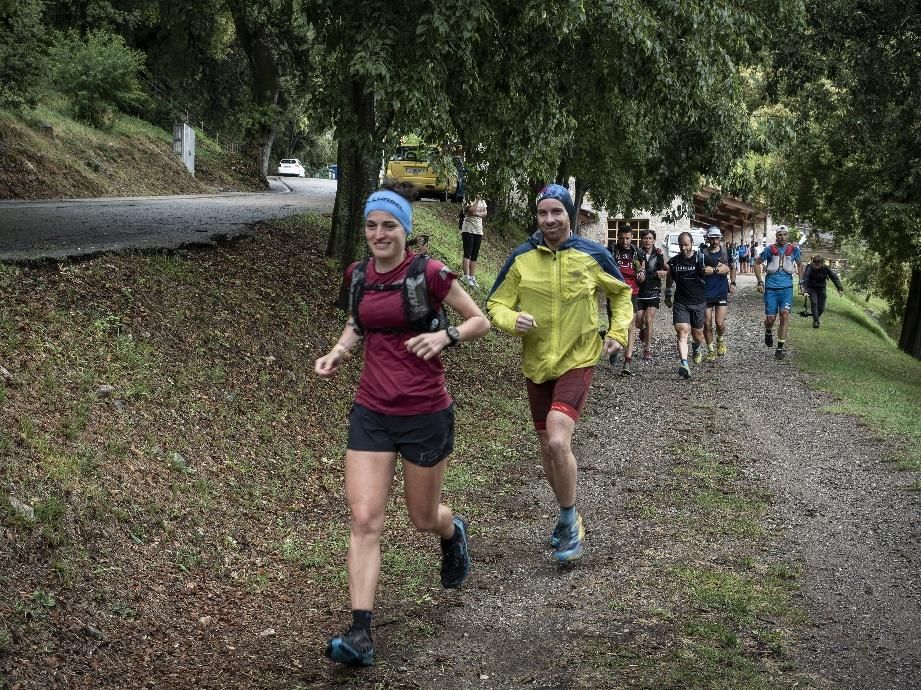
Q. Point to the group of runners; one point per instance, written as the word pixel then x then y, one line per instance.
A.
pixel 546 294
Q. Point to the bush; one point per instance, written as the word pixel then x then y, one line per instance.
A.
pixel 98 75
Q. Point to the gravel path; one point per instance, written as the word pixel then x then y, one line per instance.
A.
pixel 835 510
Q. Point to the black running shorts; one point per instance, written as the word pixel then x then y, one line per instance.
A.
pixel 422 439
pixel 692 314
pixel 717 303
pixel 644 303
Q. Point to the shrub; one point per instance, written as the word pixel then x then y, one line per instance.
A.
pixel 98 75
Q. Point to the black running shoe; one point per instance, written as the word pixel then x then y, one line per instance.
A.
pixel 455 558
pixel 816 324
pixel 769 338
pixel 780 353
pixel 626 371
pixel 352 648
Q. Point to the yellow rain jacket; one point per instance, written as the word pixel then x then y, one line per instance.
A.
pixel 560 290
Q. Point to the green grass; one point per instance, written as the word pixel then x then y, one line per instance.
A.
pixel 853 358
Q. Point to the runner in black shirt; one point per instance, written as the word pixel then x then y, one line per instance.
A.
pixel 687 272
pixel 653 268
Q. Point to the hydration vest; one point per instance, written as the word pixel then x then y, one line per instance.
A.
pixel 777 263
pixel 417 306
pixel 655 262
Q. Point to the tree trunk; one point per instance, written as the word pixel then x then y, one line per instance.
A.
pixel 910 338
pixel 359 159
pixel 266 80
pixel 581 188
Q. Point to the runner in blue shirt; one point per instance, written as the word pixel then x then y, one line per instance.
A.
pixel 781 260
pixel 717 293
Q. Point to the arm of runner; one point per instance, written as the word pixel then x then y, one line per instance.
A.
pixel 619 297
pixel 758 263
pixel 502 304
pixel 327 365
pixel 836 280
pixel 732 278
pixel 475 325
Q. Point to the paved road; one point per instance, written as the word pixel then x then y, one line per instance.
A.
pixel 59 229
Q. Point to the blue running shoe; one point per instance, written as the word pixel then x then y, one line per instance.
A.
pixel 570 546
pixel 455 558
pixel 353 648
pixel 557 534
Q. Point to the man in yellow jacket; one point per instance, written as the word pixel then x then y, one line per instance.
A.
pixel 547 292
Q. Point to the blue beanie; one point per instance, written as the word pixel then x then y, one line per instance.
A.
pixel 561 194
pixel 394 204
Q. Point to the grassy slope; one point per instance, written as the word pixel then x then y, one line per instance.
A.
pixel 134 158
pixel 216 463
pixel 853 358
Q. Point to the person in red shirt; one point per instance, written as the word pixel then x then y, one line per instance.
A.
pixel 627 256
pixel 402 407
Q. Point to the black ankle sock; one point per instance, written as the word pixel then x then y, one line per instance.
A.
pixel 445 543
pixel 361 620
pixel 780 344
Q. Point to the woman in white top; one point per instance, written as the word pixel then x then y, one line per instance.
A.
pixel 472 236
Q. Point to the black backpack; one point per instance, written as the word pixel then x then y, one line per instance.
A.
pixel 417 306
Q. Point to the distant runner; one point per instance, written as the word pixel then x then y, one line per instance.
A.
pixel 717 293
pixel 814 278
pixel 688 272
pixel 653 268
pixel 627 257
pixel 781 261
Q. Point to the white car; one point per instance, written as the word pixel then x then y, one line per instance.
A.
pixel 292 167
pixel 670 243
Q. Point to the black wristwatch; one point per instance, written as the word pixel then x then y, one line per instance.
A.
pixel 453 336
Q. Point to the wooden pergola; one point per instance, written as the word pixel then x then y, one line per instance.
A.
pixel 739 221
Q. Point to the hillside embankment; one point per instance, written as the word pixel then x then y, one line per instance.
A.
pixel 46 155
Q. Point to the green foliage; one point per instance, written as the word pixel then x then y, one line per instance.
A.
pixel 854 82
pixel 22 48
pixel 871 273
pixel 98 75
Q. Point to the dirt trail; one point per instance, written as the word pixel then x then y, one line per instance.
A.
pixel 833 510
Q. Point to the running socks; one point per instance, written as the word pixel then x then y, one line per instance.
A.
pixel 446 543
pixel 567 515
pixel 780 344
pixel 361 620
pixel 684 362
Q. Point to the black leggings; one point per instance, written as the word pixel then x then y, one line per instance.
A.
pixel 817 302
pixel 471 245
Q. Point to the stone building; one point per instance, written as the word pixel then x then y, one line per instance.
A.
pixel 738 220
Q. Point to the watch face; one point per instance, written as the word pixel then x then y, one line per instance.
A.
pixel 453 335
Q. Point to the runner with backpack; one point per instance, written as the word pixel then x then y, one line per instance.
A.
pixel 781 261
pixel 717 293
pixel 402 405
pixel 627 256
pixel 653 268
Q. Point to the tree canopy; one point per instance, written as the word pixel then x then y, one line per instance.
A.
pixel 854 165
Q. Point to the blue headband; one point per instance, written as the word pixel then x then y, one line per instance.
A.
pixel 561 194
pixel 392 203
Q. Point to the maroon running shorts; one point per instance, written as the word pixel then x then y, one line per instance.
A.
pixel 566 394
